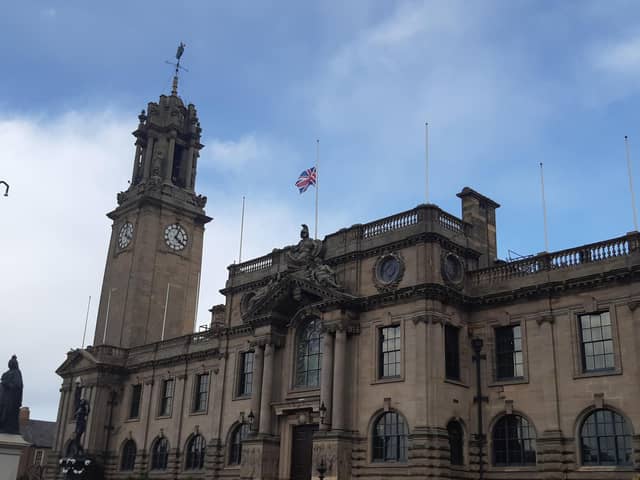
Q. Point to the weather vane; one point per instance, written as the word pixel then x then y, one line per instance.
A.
pixel 174 89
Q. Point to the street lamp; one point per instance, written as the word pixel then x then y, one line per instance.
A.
pixel 6 187
pixel 251 418
pixel 323 413
pixel 322 469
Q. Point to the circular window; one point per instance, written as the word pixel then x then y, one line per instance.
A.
pixel 388 271
pixel 452 268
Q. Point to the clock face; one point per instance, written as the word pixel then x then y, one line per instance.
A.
pixel 125 235
pixel 175 236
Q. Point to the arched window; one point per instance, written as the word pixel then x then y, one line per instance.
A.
pixel 309 355
pixel 195 453
pixel 235 451
pixel 160 454
pixel 128 460
pixel 456 442
pixel 605 439
pixel 514 442
pixel 390 435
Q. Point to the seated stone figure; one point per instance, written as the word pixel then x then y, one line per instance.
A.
pixel 305 251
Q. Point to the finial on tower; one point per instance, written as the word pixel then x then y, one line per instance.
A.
pixel 179 52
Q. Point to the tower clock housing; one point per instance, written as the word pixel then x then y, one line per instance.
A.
pixel 152 273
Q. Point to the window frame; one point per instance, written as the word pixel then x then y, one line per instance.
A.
pixel 462 443
pixel 448 355
pixel 591 342
pixel 380 341
pixel 241 382
pixel 155 454
pixel 196 406
pixel 497 353
pixel 581 425
pixel 132 401
pixel 300 331
pixel 128 456
pixel 399 460
pixel 162 407
pixel 534 439
pixel 194 461
pixel 235 449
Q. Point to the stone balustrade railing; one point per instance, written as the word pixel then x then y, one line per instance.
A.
pixel 594 252
pixel 433 218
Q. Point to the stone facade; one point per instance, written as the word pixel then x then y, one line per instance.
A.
pixel 397 348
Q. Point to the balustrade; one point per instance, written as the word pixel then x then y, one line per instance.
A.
pixel 595 252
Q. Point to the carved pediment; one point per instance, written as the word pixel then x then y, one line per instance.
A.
pixel 285 295
pixel 77 360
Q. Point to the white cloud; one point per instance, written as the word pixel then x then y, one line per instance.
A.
pixel 621 57
pixel 233 155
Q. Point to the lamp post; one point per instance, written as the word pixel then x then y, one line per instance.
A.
pixel 323 413
pixel 251 418
pixel 322 469
pixel 476 344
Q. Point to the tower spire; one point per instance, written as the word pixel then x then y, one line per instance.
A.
pixel 179 52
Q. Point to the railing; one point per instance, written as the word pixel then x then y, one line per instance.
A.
pixel 595 252
pixel 394 222
pixel 450 222
pixel 255 265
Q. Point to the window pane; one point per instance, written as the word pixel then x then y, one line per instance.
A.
pixel 389 352
pixel 390 438
pixel 509 358
pixel 513 441
pixel 597 345
pixel 605 439
pixel 309 355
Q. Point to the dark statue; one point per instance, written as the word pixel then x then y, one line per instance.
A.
pixel 80 417
pixel 10 398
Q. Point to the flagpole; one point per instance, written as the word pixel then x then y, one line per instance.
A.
pixel 317 182
pixel 633 196
pixel 241 231
pixel 426 155
pixel 544 210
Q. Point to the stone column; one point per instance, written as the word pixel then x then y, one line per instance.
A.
pixel 339 366
pixel 168 161
pixel 421 377
pixel 256 385
pixel 188 177
pixel 148 158
pixel 267 388
pixel 326 380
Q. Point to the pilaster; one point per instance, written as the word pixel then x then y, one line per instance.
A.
pixel 260 458
pixel 333 450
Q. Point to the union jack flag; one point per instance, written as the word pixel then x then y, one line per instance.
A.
pixel 306 178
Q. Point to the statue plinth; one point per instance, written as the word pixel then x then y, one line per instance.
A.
pixel 11 448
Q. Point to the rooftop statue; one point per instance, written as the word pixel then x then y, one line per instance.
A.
pixel 305 251
pixel 10 398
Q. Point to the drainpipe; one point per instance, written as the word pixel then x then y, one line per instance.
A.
pixel 477 344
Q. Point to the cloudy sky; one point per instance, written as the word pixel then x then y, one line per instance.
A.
pixel 504 85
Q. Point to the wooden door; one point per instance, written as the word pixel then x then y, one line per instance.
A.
pixel 302 452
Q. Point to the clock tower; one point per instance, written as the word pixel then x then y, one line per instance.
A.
pixel 152 273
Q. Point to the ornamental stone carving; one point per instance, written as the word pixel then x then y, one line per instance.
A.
pixel 306 251
pixel 388 271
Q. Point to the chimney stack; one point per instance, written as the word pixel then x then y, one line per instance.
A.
pixel 480 212
pixel 24 415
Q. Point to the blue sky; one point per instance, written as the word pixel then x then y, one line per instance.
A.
pixel 503 85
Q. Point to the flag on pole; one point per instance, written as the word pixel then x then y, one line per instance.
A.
pixel 307 177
